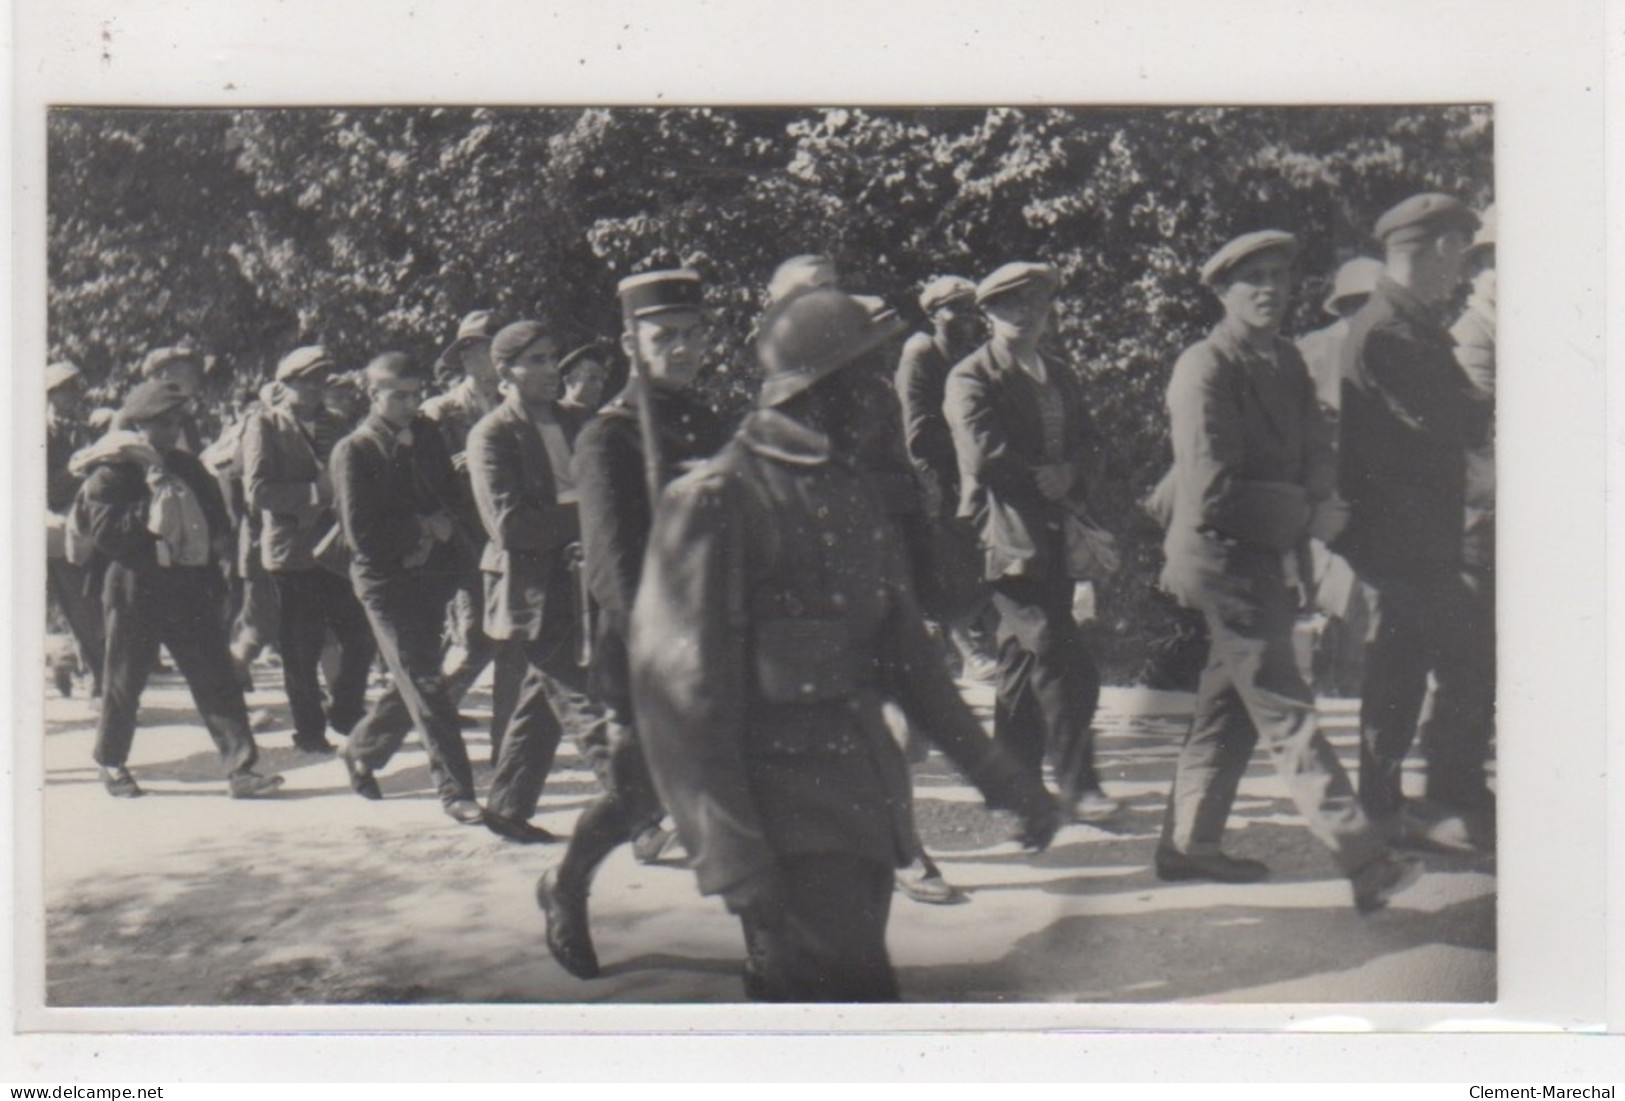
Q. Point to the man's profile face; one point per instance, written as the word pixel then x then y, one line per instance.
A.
pixel 185 373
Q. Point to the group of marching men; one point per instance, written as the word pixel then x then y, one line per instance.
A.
pixel 757 653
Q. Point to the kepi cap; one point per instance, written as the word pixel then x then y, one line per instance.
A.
pixel 1014 276
pixel 656 292
pixel 59 373
pixel 1423 216
pixel 1355 278
pixel 945 289
pixel 150 400
pixel 159 358
pixel 1240 248
pixel 304 362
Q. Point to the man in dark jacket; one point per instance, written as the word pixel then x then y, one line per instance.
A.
pixel 1028 452
pixel 1253 479
pixel 519 470
pixel 156 515
pixel 666 333
pixel 392 480
pixel 773 619
pixel 1409 418
pixel 285 452
pixel 76 587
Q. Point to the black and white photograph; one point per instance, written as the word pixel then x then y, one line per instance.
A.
pixel 620 555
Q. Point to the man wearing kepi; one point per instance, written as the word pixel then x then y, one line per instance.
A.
pixel 519 467
pixel 285 452
pixel 1254 478
pixel 773 619
pixel 1028 453
pixel 1409 418
pixel 393 479
pixel 156 515
pixel 666 336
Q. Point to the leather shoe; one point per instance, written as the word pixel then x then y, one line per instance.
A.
pixel 568 937
pixel 120 784
pixel 362 781
pixel 1173 865
pixel 1382 879
pixel 1094 805
pixel 251 785
pixel 922 881
pixel 322 748
pixel 465 811
pixel 653 843
pixel 515 830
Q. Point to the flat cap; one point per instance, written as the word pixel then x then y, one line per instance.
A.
pixel 514 340
pixel 1424 215
pixel 879 312
pixel 304 362
pixel 159 358
pixel 1355 278
pixel 1013 277
pixel 1485 237
pixel 945 289
pixel 1240 248
pixel 801 273
pixel 150 400
pixel 657 292
pixel 594 352
pixel 58 373
pixel 477 323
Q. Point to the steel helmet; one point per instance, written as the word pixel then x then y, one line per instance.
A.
pixel 811 335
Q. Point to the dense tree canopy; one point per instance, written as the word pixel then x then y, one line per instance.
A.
pixel 247 232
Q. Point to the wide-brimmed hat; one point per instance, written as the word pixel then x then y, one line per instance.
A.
pixel 1355 279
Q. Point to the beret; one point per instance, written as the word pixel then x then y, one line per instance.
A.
pixel 1356 277
pixel 1423 215
pixel 1485 237
pixel 594 352
pixel 304 362
pixel 1014 276
pixel 149 400
pixel 658 292
pixel 1235 251
pixel 478 323
pixel 512 342
pixel 945 289
pixel 159 358
pixel 58 373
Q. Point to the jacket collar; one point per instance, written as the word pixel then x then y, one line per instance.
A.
pixel 1406 303
pixel 771 434
pixel 391 437
pixel 1231 337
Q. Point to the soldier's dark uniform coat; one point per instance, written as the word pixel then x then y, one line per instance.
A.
pixel 773 617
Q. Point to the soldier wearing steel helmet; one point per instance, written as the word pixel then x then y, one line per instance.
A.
pixel 773 619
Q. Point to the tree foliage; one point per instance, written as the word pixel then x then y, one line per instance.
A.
pixel 247 232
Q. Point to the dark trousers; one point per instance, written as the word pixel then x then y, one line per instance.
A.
pixel 1048 686
pixel 1427 620
pixel 1252 687
pixel 406 612
pixel 828 942
pixel 628 806
pixel 312 602
pixel 258 620
pixel 77 592
pixel 465 622
pixel 534 731
pixel 182 609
